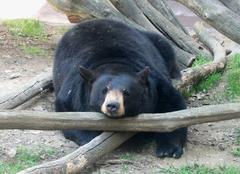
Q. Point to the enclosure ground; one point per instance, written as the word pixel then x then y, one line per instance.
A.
pixel 208 144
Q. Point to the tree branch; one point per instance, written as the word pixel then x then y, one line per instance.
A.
pixel 28 91
pixel 163 122
pixel 193 75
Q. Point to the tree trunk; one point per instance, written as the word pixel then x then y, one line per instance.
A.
pixel 217 15
pixel 176 35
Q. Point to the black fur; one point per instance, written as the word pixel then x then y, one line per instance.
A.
pixel 97 53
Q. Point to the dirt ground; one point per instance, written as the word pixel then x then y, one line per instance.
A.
pixel 208 144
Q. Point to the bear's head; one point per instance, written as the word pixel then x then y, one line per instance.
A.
pixel 116 95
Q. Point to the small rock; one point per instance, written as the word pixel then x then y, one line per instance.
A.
pixel 14 76
pixel 221 147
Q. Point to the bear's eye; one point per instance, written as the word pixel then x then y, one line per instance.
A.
pixel 125 92
pixel 105 90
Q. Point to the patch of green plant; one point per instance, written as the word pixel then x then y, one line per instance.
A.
pixel 25 158
pixel 127 156
pixel 26 28
pixel 200 169
pixel 200 60
pixel 33 50
pixel 233 77
pixel 207 83
pixel 236 151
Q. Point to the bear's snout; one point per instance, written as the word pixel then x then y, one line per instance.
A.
pixel 113 105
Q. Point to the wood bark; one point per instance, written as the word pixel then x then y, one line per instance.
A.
pixel 160 122
pixel 76 161
pixel 96 8
pixel 217 15
pixel 163 7
pixel 133 13
pixel 28 91
pixel 193 75
pixel 181 39
pixel 234 5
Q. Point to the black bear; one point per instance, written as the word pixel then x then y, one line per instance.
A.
pixel 107 66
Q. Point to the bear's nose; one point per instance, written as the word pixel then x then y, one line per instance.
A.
pixel 113 107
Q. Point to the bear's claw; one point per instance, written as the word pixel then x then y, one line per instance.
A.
pixel 169 151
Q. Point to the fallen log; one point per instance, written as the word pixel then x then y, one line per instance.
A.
pixel 108 141
pixel 76 161
pixel 159 122
pixel 181 39
pixel 193 75
pixel 217 15
pixel 163 7
pixel 131 14
pixel 28 91
pixel 131 11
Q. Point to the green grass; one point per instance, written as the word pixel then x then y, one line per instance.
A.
pixel 236 151
pixel 33 50
pixel 200 169
pixel 200 60
pixel 233 77
pixel 25 158
pixel 207 83
pixel 204 85
pixel 25 28
pixel 127 156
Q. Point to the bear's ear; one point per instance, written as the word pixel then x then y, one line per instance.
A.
pixel 143 75
pixel 86 74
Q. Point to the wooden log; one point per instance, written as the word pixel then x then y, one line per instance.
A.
pixel 163 7
pixel 234 5
pixel 28 91
pixel 76 161
pixel 217 15
pixel 181 39
pixel 193 75
pixel 131 11
pixel 108 141
pixel 160 122
pixel 207 37
pixel 141 23
pixel 96 8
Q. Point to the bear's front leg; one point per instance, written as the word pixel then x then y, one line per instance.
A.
pixel 171 144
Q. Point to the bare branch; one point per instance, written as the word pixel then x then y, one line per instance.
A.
pixel 28 91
